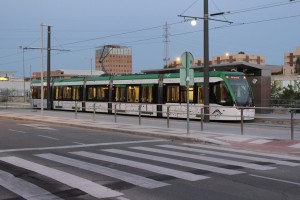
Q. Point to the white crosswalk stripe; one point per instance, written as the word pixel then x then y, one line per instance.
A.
pixel 206 158
pixel 244 157
pixel 23 188
pixel 82 184
pixel 127 177
pixel 137 157
pixel 144 166
pixel 177 162
pixel 287 157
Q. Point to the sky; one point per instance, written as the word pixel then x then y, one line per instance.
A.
pixel 259 27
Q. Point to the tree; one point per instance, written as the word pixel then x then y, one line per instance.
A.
pixel 297 66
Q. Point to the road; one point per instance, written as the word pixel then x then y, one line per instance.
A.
pixel 40 161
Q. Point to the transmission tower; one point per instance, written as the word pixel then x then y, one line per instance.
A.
pixel 166 45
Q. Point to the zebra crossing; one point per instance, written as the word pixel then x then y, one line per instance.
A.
pixel 176 161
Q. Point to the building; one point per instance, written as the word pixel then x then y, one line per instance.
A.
pixel 290 59
pixel 60 74
pixel 237 58
pixel 114 59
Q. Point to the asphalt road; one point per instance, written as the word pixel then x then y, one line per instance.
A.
pixel 40 161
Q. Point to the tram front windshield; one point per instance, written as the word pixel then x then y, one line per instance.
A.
pixel 242 91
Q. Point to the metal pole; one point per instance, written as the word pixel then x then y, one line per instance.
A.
pixel 76 110
pixel 140 122
pixel 206 63
pixel 42 70
pixel 242 121
pixel 23 76
pixel 202 117
pixel 115 113
pixel 292 124
pixel 94 107
pixel 48 68
pixel 168 116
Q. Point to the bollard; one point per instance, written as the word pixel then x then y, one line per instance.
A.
pixel 115 113
pixel 94 107
pixel 168 116
pixel 140 121
pixel 202 116
pixel 292 124
pixel 75 110
pixel 242 121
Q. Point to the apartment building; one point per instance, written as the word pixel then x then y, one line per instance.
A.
pixel 240 57
pixel 290 58
pixel 114 59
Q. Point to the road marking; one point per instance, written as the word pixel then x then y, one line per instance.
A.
pixel 176 162
pixel 124 176
pixel 122 198
pixel 244 157
pixel 39 126
pixel 82 184
pixel 260 141
pixel 245 151
pixel 17 131
pixel 23 188
pixel 78 146
pixel 274 179
pixel 206 158
pixel 78 143
pixel 44 136
pixel 295 145
pixel 149 167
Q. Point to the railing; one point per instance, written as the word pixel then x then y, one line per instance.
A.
pixel 290 111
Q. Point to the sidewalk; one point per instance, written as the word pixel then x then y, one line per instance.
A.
pixel 236 141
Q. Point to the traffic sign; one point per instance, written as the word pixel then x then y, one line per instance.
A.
pixel 187 60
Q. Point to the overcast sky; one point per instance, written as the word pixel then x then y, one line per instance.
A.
pixel 260 27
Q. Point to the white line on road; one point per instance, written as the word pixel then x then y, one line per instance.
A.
pixel 206 158
pixel 39 126
pixel 52 138
pixel 78 143
pixel 176 162
pixel 243 157
pixel 17 131
pixel 124 176
pixel 82 184
pixel 23 188
pixel 144 166
pixel 245 151
pixel 79 146
pixel 274 179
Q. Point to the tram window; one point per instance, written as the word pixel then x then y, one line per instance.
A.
pixel 92 93
pixel 67 95
pixel 102 93
pixel 173 94
pixel 200 95
pixel 76 93
pixel 133 94
pixel 147 94
pixel 219 94
pixel 58 93
pixel 183 94
pixel 120 94
pixel 45 92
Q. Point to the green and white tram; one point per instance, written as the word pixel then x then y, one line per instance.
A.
pixel 154 95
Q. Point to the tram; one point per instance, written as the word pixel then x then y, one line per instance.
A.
pixel 152 94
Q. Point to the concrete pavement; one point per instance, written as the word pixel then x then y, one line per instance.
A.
pixel 285 146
